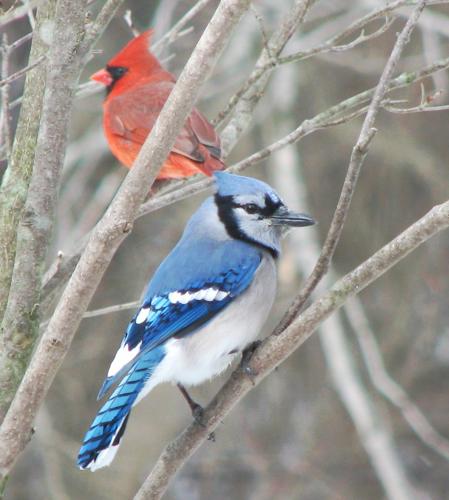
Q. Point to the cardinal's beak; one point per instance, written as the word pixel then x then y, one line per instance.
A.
pixel 103 76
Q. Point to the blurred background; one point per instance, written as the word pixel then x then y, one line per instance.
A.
pixel 319 427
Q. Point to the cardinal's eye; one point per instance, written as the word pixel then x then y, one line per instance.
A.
pixel 116 71
pixel 251 208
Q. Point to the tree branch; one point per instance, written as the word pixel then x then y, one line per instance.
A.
pixel 21 72
pixel 247 102
pixel 358 156
pixel 20 323
pixel 110 232
pixel 15 182
pixel 373 429
pixel 276 348
pixel 5 119
pixel 388 387
pixel 173 33
pixel 95 30
pixel 61 269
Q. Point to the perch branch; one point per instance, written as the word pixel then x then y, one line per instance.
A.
pixel 276 348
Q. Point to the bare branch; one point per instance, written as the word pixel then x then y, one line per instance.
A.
pixel 246 104
pixel 331 45
pixel 110 232
pixel 383 382
pixel 423 106
pixel 172 35
pixel 17 13
pixel 21 72
pixel 5 119
pixel 95 30
pixel 373 429
pixel 358 155
pixel 20 322
pixel 15 183
pixel 21 41
pixel 276 348
pixel 104 310
pixel 128 17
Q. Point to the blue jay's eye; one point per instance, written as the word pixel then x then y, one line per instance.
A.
pixel 251 208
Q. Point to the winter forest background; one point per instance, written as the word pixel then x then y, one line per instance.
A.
pixel 361 409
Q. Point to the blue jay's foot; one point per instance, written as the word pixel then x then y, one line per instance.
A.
pixel 246 358
pixel 196 409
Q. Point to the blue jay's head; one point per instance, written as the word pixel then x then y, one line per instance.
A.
pixel 252 211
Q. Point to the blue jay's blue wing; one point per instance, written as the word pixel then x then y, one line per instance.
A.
pixel 179 312
pixel 174 313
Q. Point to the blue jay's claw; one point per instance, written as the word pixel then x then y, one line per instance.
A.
pixel 247 354
pixel 198 414
pixel 196 409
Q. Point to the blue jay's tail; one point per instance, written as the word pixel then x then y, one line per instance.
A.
pixel 103 437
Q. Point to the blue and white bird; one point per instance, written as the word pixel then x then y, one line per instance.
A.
pixel 206 303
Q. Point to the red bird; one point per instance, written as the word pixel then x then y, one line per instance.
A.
pixel 138 87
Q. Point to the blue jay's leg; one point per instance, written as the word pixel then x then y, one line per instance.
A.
pixel 247 354
pixel 196 409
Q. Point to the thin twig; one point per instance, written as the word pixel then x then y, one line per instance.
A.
pixel 21 72
pixel 111 309
pixel 332 46
pixel 30 13
pixel 5 119
pixel 327 46
pixel 21 41
pixel 388 387
pixel 424 106
pixel 96 29
pixel 172 35
pixel 244 109
pixel 128 17
pixel 372 425
pixel 358 155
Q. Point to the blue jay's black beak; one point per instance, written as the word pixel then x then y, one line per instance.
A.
pixel 283 217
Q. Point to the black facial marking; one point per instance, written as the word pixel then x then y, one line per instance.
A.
pixel 225 206
pixel 116 73
pixel 271 205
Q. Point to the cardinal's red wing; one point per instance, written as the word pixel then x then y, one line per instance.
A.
pixel 132 115
pixel 204 132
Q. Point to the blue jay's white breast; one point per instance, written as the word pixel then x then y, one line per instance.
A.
pixel 199 356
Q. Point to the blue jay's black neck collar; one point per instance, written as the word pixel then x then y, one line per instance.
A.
pixel 226 206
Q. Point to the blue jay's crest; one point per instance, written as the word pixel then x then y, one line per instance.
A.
pixel 205 303
pixel 234 185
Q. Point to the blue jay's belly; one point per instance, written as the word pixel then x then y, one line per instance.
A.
pixel 207 352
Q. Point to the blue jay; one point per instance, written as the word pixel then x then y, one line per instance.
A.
pixel 206 303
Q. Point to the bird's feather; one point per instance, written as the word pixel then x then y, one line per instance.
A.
pixel 178 312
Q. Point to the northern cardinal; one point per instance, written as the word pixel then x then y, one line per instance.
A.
pixel 137 88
